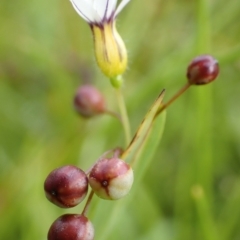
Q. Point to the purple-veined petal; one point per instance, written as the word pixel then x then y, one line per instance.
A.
pixel 102 7
pixel 84 9
pixel 121 6
pixel 111 8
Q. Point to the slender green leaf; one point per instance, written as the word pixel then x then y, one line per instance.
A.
pixel 142 131
pixel 115 211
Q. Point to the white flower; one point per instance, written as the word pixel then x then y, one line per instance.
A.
pixel 110 50
pixel 98 11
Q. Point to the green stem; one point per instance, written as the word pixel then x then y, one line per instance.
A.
pixel 85 210
pixel 124 115
pixel 113 114
pixel 179 93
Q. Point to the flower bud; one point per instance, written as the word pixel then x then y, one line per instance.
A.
pixel 71 227
pixel 66 186
pixel 88 101
pixel 110 51
pixel 202 70
pixel 111 178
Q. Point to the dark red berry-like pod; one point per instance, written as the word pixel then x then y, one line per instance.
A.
pixel 202 70
pixel 66 186
pixel 71 227
pixel 111 178
pixel 88 101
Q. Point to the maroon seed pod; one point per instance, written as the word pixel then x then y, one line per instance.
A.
pixel 66 186
pixel 88 101
pixel 202 70
pixel 111 178
pixel 71 227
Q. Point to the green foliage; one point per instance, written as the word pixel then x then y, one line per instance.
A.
pixel 189 189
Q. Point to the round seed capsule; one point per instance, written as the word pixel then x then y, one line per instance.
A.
pixel 66 186
pixel 202 70
pixel 71 227
pixel 111 178
pixel 88 101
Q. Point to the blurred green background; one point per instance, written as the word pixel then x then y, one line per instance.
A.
pixel 191 190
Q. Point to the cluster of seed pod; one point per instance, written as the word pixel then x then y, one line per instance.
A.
pixel 109 178
pixel 67 186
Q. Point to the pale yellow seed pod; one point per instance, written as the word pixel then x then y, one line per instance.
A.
pixel 111 178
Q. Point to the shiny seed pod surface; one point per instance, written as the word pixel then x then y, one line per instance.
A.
pixel 111 178
pixel 202 70
pixel 88 101
pixel 66 186
pixel 71 227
